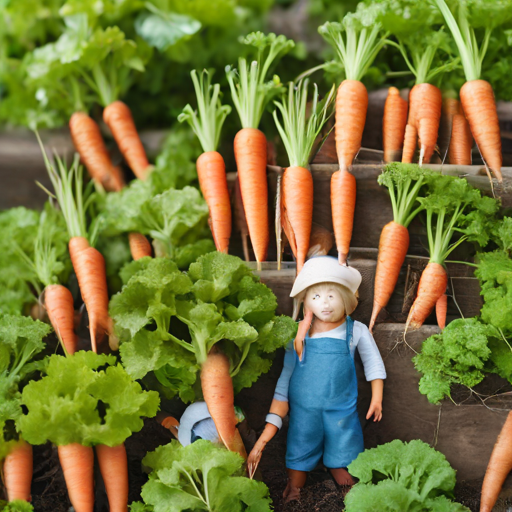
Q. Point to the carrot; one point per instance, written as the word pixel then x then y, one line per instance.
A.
pixel 113 464
pixel 77 463
pixel 304 325
pixel 299 131
pixel 89 266
pixel 432 285
pixel 451 107
pixel 411 136
pixel 211 172
pixel 479 105
pixel 139 246
pixel 428 99
pixel 343 203
pixel 393 246
pixel 171 424
pixel 413 107
pixel 61 312
pixel 298 208
pixel 89 143
pixel 251 160
pixel 476 95
pixel 18 469
pixel 320 241
pixel 119 119
pixel 500 465
pixel 441 309
pixel 218 394
pixel 393 125
pixel 350 118
pixel 460 143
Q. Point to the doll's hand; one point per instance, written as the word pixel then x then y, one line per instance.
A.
pixel 375 410
pixel 254 457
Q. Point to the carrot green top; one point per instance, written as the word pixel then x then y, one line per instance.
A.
pixel 356 41
pixel 249 89
pixel 210 116
pixel 297 131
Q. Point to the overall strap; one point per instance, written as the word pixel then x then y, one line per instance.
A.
pixel 350 330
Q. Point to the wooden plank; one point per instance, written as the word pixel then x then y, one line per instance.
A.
pixel 465 432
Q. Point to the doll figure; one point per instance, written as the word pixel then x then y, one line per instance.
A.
pixel 318 383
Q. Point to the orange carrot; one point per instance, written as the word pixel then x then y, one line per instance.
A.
pixel 77 463
pixel 119 119
pixel 441 309
pixel 343 204
pixel 351 107
pixel 211 172
pixel 218 394
pixel 113 464
pixel 251 159
pixel 429 100
pixel 478 102
pixel 411 136
pixel 89 143
pixel 61 312
pixel 432 285
pixel 393 125
pixel 304 325
pixel 18 472
pixel 460 143
pixel 393 245
pixel 89 266
pixel 139 246
pixel 451 107
pixel 297 201
pixel 500 465
pixel 320 241
pixel 413 107
pixel 171 424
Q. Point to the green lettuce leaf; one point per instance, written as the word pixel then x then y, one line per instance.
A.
pixel 456 356
pixel 403 477
pixel 16 506
pixel 200 476
pixel 84 398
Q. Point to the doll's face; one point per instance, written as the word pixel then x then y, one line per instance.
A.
pixel 326 303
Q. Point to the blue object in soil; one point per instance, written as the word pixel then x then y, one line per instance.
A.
pixel 323 406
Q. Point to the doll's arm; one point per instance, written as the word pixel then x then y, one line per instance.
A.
pixel 280 409
pixel 375 409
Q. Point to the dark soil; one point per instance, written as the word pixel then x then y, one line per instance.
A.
pixel 321 492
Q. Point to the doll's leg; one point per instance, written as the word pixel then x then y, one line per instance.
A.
pixel 296 481
pixel 342 476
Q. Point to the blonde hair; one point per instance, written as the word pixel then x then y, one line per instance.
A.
pixel 349 299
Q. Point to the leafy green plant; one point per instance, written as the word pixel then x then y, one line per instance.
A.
pixel 410 477
pixel 84 398
pixel 16 506
pixel 456 356
pixel 168 321
pixel 21 339
pixel 200 476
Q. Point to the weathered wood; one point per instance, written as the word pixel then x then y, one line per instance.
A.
pixel 465 432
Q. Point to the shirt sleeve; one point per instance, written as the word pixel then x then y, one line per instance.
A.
pixel 281 392
pixel 370 355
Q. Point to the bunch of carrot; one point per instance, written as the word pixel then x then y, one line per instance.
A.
pixel 211 170
pixel 89 265
pixel 357 41
pixel 299 135
pixel 251 93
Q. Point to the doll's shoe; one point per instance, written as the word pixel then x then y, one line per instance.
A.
pixel 291 493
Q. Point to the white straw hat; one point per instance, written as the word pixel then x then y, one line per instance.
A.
pixel 326 269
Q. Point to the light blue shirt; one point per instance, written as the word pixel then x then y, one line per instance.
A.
pixel 362 339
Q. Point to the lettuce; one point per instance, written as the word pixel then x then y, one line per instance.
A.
pixel 200 476
pixel 84 398
pixel 16 506
pixel 405 477
pixel 21 339
pixel 168 321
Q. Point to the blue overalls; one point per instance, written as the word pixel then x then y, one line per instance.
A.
pixel 323 405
